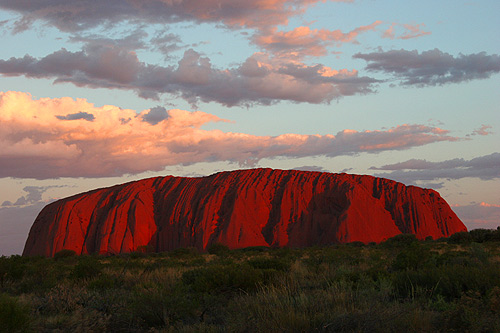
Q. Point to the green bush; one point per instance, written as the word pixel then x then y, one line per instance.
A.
pixel 87 267
pixel 412 257
pixel 400 240
pixel 163 307
pixel 356 244
pixel 270 263
pixel 449 281
pixel 14 317
pixel 218 278
pixel 462 237
pixel 484 235
pixel 40 274
pixel 256 249
pixel 218 249
pixel 64 253
pixel 404 285
pixel 184 252
pixel 13 267
pixel 104 282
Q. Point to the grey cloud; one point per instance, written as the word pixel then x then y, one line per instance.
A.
pixel 95 65
pixel 418 164
pixel 163 42
pixel 433 185
pixel 86 14
pixel 155 115
pixel 311 168
pixel 76 116
pixel 33 197
pixel 433 67
pixel 484 167
pixel 166 43
pixel 134 40
pixel 194 78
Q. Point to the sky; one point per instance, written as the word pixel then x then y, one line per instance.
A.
pixel 97 93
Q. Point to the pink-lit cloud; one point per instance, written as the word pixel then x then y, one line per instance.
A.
pixel 261 79
pixel 304 41
pixel 35 143
pixel 479 215
pixel 409 31
pixel 483 130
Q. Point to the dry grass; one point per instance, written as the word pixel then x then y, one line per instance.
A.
pixel 373 288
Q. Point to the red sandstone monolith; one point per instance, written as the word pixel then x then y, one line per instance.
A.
pixel 259 207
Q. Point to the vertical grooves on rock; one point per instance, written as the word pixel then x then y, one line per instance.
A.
pixel 275 215
pixel 240 208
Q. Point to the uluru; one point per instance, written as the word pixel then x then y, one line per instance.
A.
pixel 244 208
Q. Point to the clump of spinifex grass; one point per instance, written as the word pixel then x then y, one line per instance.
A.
pixel 402 284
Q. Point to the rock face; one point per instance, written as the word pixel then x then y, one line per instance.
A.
pixel 260 207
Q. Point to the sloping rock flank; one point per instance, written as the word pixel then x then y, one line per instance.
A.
pixel 259 207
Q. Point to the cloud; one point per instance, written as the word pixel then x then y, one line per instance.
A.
pixel 163 41
pixel 260 79
pixel 484 167
pixel 479 215
pixel 155 115
pixel 81 15
pixel 134 40
pixel 33 197
pixel 311 168
pixel 35 144
pixel 166 43
pixel 410 31
pixel 483 130
pixel 79 115
pixel 431 68
pixel 303 40
pixel 433 185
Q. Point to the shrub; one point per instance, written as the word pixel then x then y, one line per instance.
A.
pixel 104 282
pixel 39 275
pixel 254 249
pixel 12 268
pixel 218 249
pixel 218 278
pixel 400 240
pixel 450 281
pixel 462 237
pixel 485 235
pixel 137 254
pixel 64 253
pixel 270 263
pixel 163 307
pixel 412 257
pixel 184 252
pixel 14 317
pixel 87 267
pixel 356 244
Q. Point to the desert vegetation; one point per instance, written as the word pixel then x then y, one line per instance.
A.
pixel 402 284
